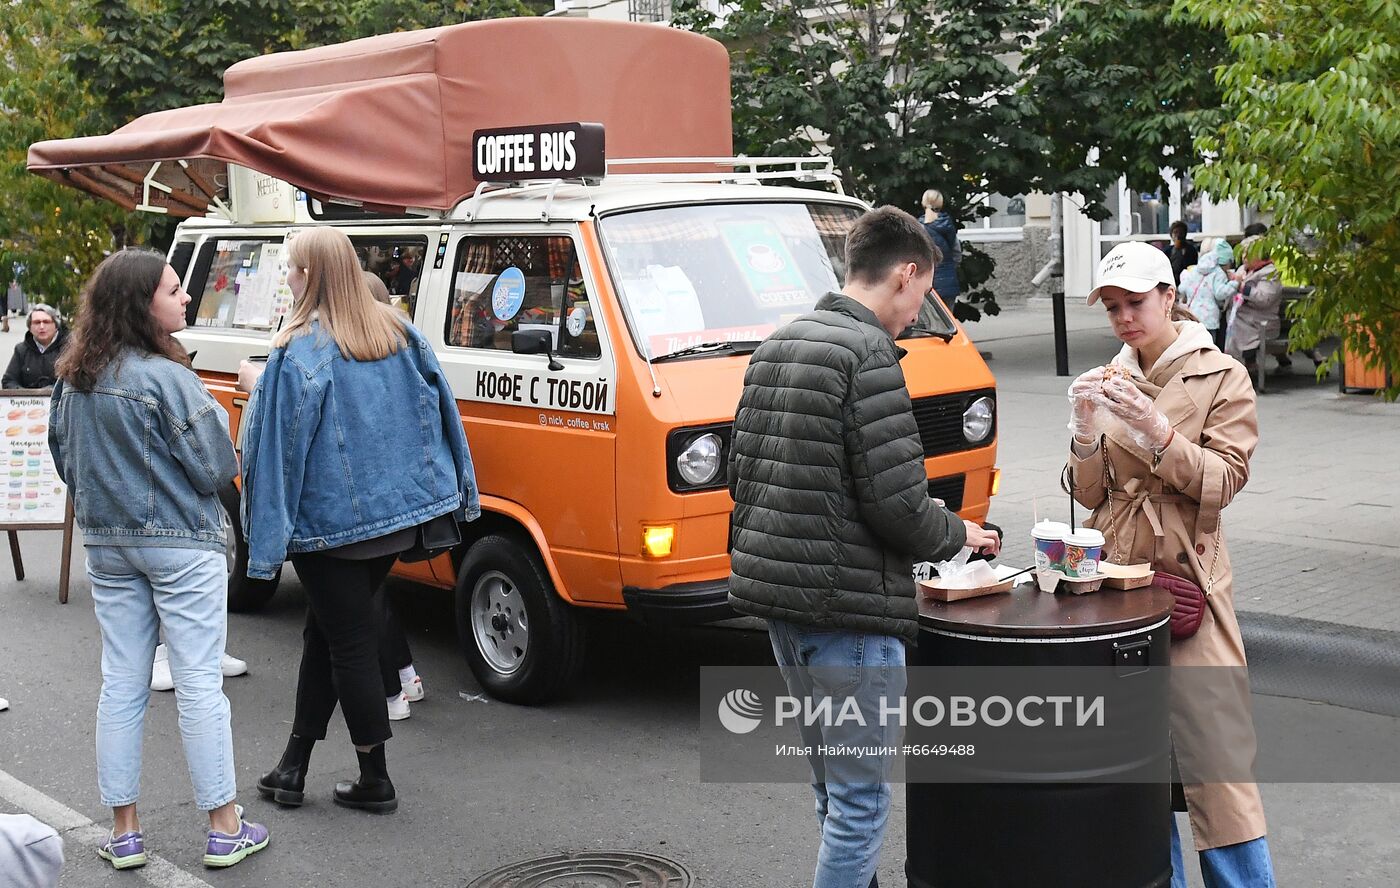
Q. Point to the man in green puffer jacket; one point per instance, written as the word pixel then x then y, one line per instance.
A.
pixel 831 509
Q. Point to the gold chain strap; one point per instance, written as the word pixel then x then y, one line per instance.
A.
pixel 1113 524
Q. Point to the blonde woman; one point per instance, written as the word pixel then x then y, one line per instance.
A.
pixel 943 231
pixel 349 383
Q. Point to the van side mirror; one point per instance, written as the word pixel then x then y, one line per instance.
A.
pixel 535 342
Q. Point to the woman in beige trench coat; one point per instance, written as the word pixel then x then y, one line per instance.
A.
pixel 1158 452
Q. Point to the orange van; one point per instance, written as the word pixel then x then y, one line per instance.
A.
pixel 594 321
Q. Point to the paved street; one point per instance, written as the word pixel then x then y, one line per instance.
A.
pixel 617 766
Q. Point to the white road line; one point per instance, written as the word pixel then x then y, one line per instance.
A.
pixel 87 835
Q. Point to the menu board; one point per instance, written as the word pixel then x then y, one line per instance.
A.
pixel 32 492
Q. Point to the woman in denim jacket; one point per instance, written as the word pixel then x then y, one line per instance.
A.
pixel 145 450
pixel 352 391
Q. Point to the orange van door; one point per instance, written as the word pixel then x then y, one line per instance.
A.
pixel 542 429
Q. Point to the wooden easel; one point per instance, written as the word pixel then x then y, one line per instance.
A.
pixel 66 525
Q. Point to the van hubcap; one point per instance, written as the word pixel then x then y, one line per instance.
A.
pixel 499 624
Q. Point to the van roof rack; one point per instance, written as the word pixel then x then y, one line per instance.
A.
pixel 755 170
pixel 742 169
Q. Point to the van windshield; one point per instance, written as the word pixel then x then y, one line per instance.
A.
pixel 718 273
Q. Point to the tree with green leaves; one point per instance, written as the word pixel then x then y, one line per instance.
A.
pixel 50 236
pixel 971 96
pixel 1125 83
pixel 903 95
pixel 87 67
pixel 1311 133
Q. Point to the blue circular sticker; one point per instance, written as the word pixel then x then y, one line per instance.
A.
pixel 508 293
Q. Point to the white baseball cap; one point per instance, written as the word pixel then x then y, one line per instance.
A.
pixel 1136 267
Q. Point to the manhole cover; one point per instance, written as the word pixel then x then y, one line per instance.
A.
pixel 589 869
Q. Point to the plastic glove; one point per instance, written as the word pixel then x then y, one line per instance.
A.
pixel 1149 428
pixel 1083 395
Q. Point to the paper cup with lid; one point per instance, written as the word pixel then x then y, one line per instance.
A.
pixel 1083 548
pixel 1049 539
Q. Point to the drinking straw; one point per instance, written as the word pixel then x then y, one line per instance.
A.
pixel 1071 500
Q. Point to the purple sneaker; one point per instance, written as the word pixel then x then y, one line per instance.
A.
pixel 226 850
pixel 125 851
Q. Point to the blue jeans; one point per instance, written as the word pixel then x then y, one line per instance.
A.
pixel 136 590
pixel 1246 865
pixel 853 795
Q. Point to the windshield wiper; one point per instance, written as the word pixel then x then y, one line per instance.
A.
pixel 737 347
pixel 918 331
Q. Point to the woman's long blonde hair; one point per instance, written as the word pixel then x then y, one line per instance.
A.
pixel 338 297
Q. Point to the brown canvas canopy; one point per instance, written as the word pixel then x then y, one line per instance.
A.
pixel 388 120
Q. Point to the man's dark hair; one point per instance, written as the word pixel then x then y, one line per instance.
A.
pixel 1178 226
pixel 1255 228
pixel 886 237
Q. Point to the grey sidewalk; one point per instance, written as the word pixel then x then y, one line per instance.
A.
pixel 1316 532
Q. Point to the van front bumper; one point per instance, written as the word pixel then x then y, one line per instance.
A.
pixel 703 602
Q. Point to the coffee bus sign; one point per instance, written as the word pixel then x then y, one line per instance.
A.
pixel 551 151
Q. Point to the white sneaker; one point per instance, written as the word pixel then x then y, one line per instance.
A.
pixel 233 666
pixel 413 690
pixel 161 679
pixel 4 704
pixel 398 708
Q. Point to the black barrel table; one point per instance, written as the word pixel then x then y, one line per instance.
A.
pixel 1082 808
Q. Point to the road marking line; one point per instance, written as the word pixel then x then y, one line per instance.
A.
pixel 158 871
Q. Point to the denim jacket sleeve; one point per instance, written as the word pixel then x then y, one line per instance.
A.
pixel 283 415
pixel 199 438
pixel 453 434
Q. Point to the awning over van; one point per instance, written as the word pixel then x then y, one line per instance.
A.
pixel 388 120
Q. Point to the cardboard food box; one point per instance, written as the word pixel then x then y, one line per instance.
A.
pixel 1126 576
pixel 934 588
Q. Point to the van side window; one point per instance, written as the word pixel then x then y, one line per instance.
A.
pixel 239 283
pixel 397 261
pixel 505 283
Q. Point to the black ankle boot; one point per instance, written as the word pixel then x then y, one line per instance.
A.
pixel 286 783
pixel 373 791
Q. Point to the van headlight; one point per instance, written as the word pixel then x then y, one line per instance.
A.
pixel 699 463
pixel 977 420
pixel 696 457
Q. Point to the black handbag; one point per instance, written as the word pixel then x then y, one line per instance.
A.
pixel 435 536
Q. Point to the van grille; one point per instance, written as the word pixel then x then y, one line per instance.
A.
pixel 940 421
pixel 949 489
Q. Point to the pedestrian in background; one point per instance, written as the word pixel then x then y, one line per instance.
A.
pixel 145 449
pixel 1157 477
pixel 1206 288
pixel 825 537
pixel 349 382
pixel 943 231
pixel 1256 309
pixel 35 357
pixel 402 683
pixel 1181 252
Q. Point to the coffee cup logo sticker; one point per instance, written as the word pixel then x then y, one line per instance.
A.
pixel 763 258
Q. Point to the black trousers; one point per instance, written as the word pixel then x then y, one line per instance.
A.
pixel 340 647
pixel 394 653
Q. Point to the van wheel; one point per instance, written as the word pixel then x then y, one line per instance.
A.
pixel 523 643
pixel 244 593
